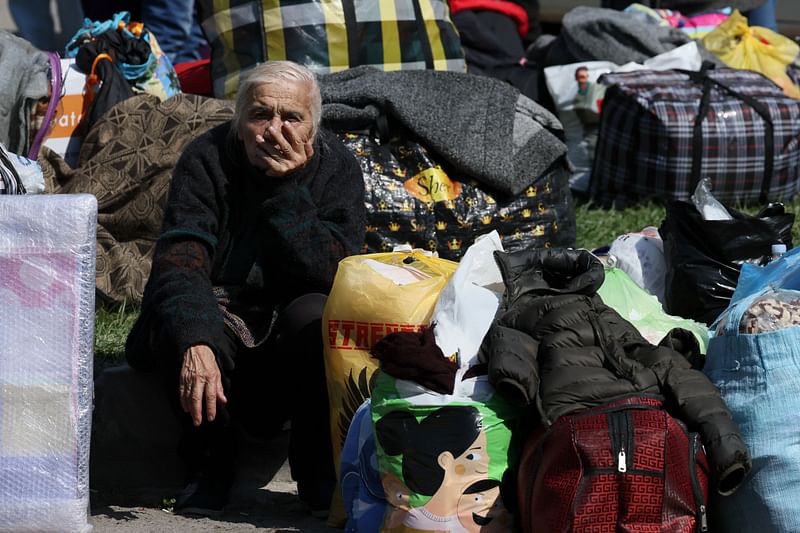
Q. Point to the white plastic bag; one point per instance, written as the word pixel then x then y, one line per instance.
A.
pixel 641 256
pixel 467 304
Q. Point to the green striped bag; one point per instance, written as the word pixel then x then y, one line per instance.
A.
pixel 328 36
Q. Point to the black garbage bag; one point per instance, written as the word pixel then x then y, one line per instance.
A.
pixel 704 257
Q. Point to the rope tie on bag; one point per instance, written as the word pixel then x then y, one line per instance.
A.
pixel 93 81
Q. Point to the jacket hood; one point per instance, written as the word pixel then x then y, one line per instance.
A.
pixel 543 271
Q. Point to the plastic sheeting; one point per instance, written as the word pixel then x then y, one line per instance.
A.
pixel 47 279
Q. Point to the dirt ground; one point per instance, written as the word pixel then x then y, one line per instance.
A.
pixel 135 469
pixel 274 508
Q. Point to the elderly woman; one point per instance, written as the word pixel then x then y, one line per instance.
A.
pixel 260 212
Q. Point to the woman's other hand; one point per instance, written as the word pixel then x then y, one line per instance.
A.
pixel 200 384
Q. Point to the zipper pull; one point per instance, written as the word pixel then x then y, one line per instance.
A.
pixel 621 465
pixel 703 521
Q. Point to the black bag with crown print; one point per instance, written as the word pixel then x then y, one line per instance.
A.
pixel 413 199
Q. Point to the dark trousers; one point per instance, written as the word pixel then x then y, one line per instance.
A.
pixel 493 47
pixel 283 379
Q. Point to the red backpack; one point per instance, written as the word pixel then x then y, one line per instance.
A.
pixel 626 466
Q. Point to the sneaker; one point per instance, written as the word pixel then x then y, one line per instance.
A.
pixel 203 496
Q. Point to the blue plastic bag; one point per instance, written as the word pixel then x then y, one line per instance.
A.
pixel 783 273
pixel 757 376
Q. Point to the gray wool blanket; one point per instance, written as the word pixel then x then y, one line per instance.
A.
pixel 481 126
pixel 593 33
pixel 24 79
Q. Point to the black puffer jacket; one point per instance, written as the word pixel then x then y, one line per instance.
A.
pixel 555 344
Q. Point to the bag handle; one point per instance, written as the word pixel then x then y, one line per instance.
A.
pixel 350 22
pixel 57 85
pixel 707 82
pixel 424 38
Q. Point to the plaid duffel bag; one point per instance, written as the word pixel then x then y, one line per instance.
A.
pixel 328 36
pixel 662 131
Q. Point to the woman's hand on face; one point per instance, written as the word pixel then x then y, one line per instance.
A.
pixel 283 149
pixel 200 382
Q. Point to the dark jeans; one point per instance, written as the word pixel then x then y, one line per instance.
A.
pixel 283 379
pixel 176 27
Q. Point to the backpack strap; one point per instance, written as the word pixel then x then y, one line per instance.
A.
pixel 56 86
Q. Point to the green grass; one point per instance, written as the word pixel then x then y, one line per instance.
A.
pixel 596 227
pixel 110 331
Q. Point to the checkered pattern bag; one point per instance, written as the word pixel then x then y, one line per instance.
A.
pixel 328 36
pixel 661 132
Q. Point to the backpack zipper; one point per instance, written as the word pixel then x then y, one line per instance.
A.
pixel 621 439
pixel 702 520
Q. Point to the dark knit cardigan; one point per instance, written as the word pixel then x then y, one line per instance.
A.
pixel 262 241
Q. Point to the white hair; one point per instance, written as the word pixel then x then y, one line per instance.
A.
pixel 272 72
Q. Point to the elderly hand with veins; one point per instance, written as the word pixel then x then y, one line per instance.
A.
pixel 282 148
pixel 200 384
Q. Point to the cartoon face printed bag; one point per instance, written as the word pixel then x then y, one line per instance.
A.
pixel 443 458
pixel 372 295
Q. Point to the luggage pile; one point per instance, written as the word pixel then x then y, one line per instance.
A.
pixel 629 376
pixel 544 411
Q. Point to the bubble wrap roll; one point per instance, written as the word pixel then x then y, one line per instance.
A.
pixel 47 280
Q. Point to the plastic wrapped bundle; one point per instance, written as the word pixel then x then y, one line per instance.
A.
pixel 47 279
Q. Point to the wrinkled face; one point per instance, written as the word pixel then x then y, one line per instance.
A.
pixel 483 512
pixel 273 104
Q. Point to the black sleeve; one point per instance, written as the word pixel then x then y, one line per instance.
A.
pixel 513 369
pixel 696 401
pixel 179 291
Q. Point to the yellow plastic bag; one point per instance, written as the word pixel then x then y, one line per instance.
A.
pixel 372 295
pixel 754 48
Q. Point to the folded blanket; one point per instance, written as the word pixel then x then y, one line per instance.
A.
pixel 483 127
pixel 593 33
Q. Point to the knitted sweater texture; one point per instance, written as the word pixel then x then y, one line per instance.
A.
pixel 236 243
